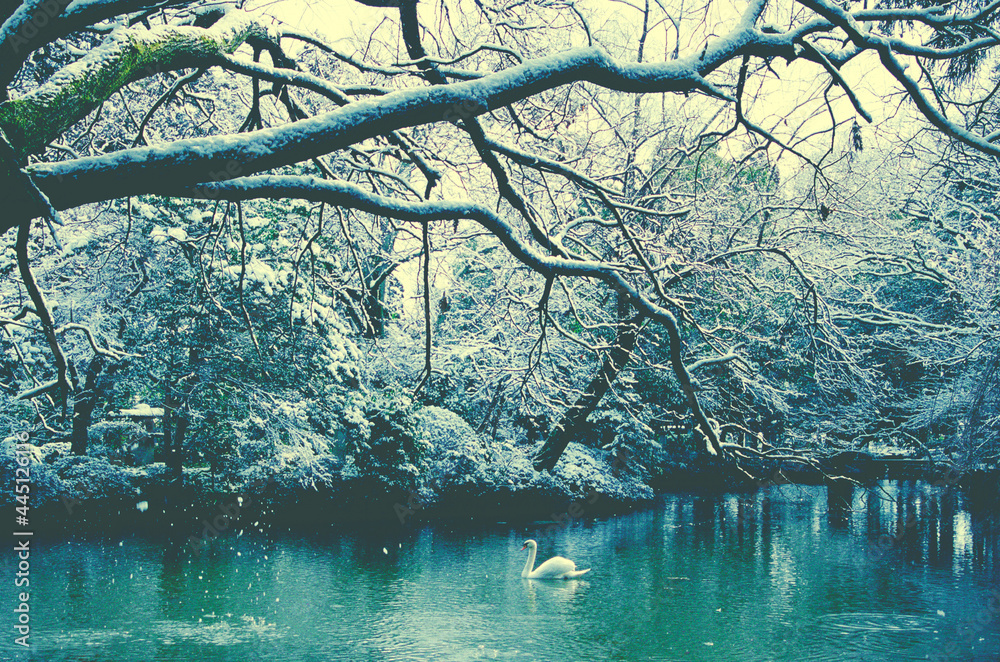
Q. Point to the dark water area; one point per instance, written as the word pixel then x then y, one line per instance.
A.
pixel 901 571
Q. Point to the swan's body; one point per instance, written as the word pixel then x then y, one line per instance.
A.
pixel 555 568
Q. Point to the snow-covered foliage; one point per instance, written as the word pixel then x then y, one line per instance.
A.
pixel 443 256
pixel 458 457
pixel 58 477
pixel 44 485
pixel 464 463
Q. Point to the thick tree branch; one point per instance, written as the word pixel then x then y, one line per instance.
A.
pixel 36 23
pixel 145 169
pixel 42 310
pixel 568 426
pixel 37 118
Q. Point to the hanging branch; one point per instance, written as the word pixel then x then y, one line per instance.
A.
pixel 298 262
pixel 427 310
pixel 369 323
pixel 243 272
pixel 167 96
pixel 253 120
pixel 410 28
pixel 539 344
pixel 9 162
pixel 42 310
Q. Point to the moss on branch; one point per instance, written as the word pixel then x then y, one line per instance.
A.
pixel 34 120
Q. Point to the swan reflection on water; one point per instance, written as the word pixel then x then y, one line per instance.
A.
pixel 553 593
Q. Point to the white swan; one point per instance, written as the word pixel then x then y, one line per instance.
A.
pixel 555 568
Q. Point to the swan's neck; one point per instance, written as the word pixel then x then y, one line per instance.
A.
pixel 530 562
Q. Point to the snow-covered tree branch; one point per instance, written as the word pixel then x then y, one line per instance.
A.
pixel 687 211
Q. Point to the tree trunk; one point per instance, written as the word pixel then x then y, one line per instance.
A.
pixel 176 409
pixel 174 427
pixel 175 460
pixel 83 406
pixel 572 420
pixel 373 302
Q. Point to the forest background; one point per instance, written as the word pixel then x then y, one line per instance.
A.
pixel 475 248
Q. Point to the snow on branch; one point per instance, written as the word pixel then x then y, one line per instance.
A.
pixel 35 23
pixel 103 351
pixel 41 389
pixel 33 120
pixel 143 170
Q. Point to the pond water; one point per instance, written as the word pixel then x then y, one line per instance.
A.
pixel 901 572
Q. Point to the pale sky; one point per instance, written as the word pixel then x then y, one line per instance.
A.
pixel 787 100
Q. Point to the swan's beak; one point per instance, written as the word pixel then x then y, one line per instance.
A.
pixel 524 547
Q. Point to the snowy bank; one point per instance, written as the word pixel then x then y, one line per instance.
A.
pixel 460 474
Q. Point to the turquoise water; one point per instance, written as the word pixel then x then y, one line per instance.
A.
pixel 788 573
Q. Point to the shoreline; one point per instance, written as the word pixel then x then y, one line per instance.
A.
pixel 145 500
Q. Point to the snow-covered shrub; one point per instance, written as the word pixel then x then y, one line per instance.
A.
pixel 458 455
pixel 44 484
pixel 84 477
pixel 59 477
pixel 381 442
pixel 302 466
pixel 463 462
pixel 282 436
pixel 586 471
